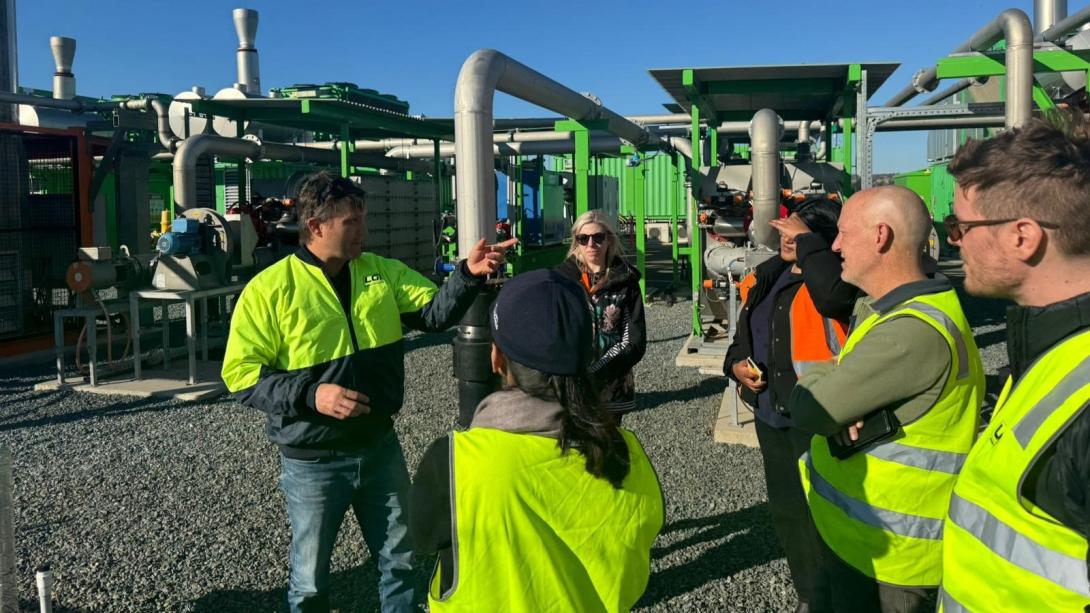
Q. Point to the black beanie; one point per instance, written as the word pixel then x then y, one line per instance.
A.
pixel 543 321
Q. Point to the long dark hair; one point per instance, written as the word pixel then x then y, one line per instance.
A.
pixel 586 425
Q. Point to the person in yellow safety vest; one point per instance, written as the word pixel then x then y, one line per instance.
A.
pixel 794 315
pixel 544 504
pixel 316 344
pixel 895 415
pixel 1016 535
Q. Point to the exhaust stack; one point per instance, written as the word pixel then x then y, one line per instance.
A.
pixel 64 52
pixel 249 75
pixel 9 62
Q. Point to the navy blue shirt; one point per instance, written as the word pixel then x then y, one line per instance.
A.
pixel 760 328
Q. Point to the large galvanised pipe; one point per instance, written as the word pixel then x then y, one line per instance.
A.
pixel 803 132
pixel 192 148
pixel 938 123
pixel 9 62
pixel 765 132
pixel 484 73
pixel 249 73
pixel 596 144
pixel 530 123
pixel 1013 26
pixel 1066 26
pixel 64 53
pixel 738 128
pixel 1047 13
pixel 961 85
pixel 162 118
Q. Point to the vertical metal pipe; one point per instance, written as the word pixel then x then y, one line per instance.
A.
pixel 765 131
pixel 249 73
pixel 64 52
pixel 9 63
pixel 1047 13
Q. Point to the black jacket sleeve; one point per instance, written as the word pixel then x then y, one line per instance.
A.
pixel 623 356
pixel 741 346
pixel 449 304
pixel 1060 482
pixel 821 266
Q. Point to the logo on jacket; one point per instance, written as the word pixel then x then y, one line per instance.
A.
pixel 372 279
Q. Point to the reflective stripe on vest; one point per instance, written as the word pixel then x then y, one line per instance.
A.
pixel 999 546
pixel 1035 417
pixel 951 327
pixel 897 523
pixel 947 604
pixel 1019 550
pixel 927 459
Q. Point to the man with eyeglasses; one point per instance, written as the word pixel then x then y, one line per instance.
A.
pixel 1015 537
pixel 316 344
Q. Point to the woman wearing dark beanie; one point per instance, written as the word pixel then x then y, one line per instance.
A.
pixel 795 312
pixel 543 503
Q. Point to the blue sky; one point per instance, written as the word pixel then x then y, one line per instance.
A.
pixel 415 49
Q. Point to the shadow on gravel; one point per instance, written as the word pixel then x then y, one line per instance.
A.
pixel 743 539
pixel 355 589
pixel 429 340
pixel 707 387
pixel 140 405
pixel 667 340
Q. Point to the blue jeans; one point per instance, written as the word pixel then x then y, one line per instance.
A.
pixel 319 492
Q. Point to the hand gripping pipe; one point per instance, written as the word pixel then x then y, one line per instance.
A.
pixel 1013 26
pixel 484 73
pixel 765 132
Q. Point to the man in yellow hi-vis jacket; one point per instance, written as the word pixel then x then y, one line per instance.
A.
pixel 316 344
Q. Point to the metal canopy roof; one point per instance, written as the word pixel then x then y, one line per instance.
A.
pixel 800 91
pixel 328 116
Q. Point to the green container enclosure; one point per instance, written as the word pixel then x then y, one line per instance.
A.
pixel 918 181
pixel 658 183
pixel 942 199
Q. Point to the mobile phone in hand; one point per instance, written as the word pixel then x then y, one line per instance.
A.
pixel 755 369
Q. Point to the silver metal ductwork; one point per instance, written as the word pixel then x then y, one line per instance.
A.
pixel 64 52
pixel 192 148
pixel 1047 13
pixel 483 73
pixel 249 74
pixel 765 132
pixel 1013 26
pixel 9 63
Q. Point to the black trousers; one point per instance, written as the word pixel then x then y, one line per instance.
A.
pixel 805 552
pixel 854 592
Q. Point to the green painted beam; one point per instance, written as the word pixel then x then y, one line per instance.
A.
pixel 693 91
pixel 992 64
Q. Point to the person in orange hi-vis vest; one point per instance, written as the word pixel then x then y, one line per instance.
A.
pixel 794 314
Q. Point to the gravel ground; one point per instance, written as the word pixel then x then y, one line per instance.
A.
pixel 147 505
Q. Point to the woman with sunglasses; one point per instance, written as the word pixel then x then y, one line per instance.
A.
pixel 595 262
pixel 795 309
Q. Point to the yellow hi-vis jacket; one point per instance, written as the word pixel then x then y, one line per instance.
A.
pixel 1002 553
pixel 290 333
pixel 881 510
pixel 534 531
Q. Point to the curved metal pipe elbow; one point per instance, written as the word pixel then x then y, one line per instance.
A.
pixel 190 150
pixel 1019 61
pixel 765 132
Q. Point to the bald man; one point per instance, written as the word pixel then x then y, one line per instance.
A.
pixel 894 417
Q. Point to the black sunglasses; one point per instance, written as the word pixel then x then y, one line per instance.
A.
pixel 336 189
pixel 599 238
pixel 956 229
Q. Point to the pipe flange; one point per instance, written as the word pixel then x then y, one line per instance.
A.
pixel 595 99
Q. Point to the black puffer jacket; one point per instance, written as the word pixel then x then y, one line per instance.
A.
pixel 619 332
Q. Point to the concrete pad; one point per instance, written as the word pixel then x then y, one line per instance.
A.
pixel 725 431
pixel 156 383
pixel 704 355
